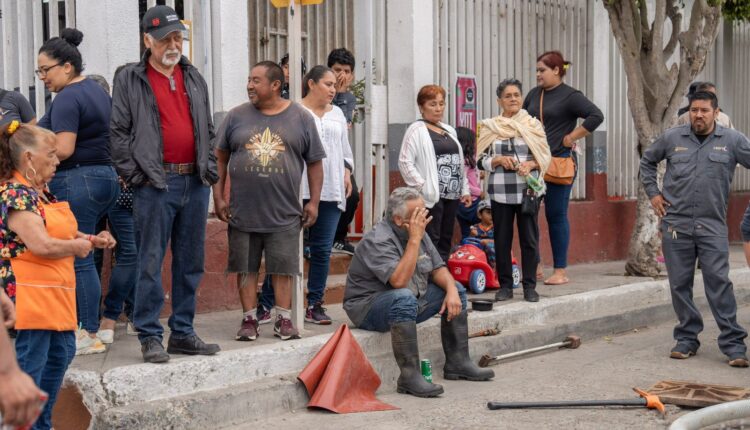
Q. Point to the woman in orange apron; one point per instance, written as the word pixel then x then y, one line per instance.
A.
pixel 39 240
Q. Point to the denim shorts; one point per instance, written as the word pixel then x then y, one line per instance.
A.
pixel 280 249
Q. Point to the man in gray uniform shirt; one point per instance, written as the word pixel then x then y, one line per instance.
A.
pixel 701 158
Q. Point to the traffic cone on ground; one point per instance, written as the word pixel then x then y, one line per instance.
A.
pixel 341 379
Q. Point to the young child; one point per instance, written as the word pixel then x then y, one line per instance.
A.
pixel 483 233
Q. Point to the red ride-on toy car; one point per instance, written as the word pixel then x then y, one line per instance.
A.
pixel 468 265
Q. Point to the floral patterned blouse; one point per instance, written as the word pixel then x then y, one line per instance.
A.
pixel 18 197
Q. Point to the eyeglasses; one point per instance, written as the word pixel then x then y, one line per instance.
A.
pixel 42 71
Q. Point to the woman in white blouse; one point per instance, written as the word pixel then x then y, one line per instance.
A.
pixel 432 161
pixel 318 92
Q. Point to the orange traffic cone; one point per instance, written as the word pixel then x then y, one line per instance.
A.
pixel 341 379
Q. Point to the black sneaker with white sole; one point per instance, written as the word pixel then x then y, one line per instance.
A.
pixel 343 247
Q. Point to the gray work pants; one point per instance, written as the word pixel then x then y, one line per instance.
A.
pixel 712 252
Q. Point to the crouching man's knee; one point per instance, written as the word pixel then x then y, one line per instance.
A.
pixel 404 307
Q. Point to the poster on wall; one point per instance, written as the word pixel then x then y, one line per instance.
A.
pixel 466 102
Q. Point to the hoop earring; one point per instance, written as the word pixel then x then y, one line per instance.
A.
pixel 26 174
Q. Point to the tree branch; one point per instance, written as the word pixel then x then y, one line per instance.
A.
pixel 675 17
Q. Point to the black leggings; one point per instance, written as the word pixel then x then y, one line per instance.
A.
pixel 440 229
pixel 528 234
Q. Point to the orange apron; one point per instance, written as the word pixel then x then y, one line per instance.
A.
pixel 46 289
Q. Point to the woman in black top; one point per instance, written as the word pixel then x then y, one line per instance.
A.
pixel 562 107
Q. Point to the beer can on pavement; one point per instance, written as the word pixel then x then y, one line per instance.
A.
pixel 427 370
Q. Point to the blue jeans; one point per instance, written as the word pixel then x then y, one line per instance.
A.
pixel 320 241
pixel 556 210
pixel 45 355
pixel 177 214
pixel 401 305
pixel 122 282
pixel 91 192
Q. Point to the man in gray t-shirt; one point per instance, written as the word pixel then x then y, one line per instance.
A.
pixel 398 279
pixel 13 105
pixel 264 146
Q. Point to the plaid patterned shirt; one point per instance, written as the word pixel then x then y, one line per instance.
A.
pixel 505 186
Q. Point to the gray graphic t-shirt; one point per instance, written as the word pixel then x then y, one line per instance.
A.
pixel 268 154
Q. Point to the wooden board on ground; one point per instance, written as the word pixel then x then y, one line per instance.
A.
pixel 697 395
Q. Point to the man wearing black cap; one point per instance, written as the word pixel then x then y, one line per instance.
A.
pixel 162 139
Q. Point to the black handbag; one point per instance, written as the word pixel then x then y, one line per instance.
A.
pixel 529 200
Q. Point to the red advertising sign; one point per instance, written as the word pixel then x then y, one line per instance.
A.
pixel 466 102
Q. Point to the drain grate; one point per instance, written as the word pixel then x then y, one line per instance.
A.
pixel 697 395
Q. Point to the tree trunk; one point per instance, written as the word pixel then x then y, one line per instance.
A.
pixel 645 241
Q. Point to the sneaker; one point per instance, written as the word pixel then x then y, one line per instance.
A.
pixel 191 345
pixel 739 361
pixel 86 344
pixel 284 329
pixel 343 247
pixel 264 316
pixel 131 331
pixel 316 314
pixel 248 330
pixel 682 352
pixel 153 351
pixel 106 336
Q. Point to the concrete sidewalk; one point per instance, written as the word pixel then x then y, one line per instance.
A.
pixel 256 380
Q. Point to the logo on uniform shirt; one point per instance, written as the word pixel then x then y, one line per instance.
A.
pixel 265 151
pixel 721 148
pixel 680 148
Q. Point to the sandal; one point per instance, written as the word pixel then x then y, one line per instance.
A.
pixel 558 281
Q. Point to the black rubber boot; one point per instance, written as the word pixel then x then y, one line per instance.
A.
pixel 458 364
pixel 530 295
pixel 406 351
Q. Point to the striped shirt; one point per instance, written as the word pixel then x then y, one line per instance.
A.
pixel 506 186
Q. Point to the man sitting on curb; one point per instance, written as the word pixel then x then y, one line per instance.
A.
pixel 398 279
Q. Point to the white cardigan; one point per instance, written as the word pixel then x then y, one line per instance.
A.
pixel 418 163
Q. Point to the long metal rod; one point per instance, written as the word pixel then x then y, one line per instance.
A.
pixel 565 404
pixel 530 351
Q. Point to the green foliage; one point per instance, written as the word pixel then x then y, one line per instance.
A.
pixel 734 10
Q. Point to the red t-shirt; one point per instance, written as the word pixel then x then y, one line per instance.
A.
pixel 174 112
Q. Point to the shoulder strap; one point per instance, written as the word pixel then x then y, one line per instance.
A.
pixel 435 124
pixel 513 147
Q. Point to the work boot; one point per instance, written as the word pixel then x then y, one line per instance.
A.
pixel 191 345
pixel 406 351
pixel 458 364
pixel 530 295
pixel 503 294
pixel 153 351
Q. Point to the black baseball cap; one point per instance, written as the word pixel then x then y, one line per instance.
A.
pixel 161 20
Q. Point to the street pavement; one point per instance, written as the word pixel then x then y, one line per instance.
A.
pixel 603 369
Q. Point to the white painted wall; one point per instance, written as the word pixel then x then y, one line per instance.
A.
pixel 111 33
pixel 229 38
pixel 410 56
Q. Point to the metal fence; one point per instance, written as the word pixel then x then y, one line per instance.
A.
pixel 498 39
pixel 731 51
pixel 324 27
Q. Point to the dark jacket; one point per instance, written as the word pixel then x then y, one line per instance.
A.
pixel 135 126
